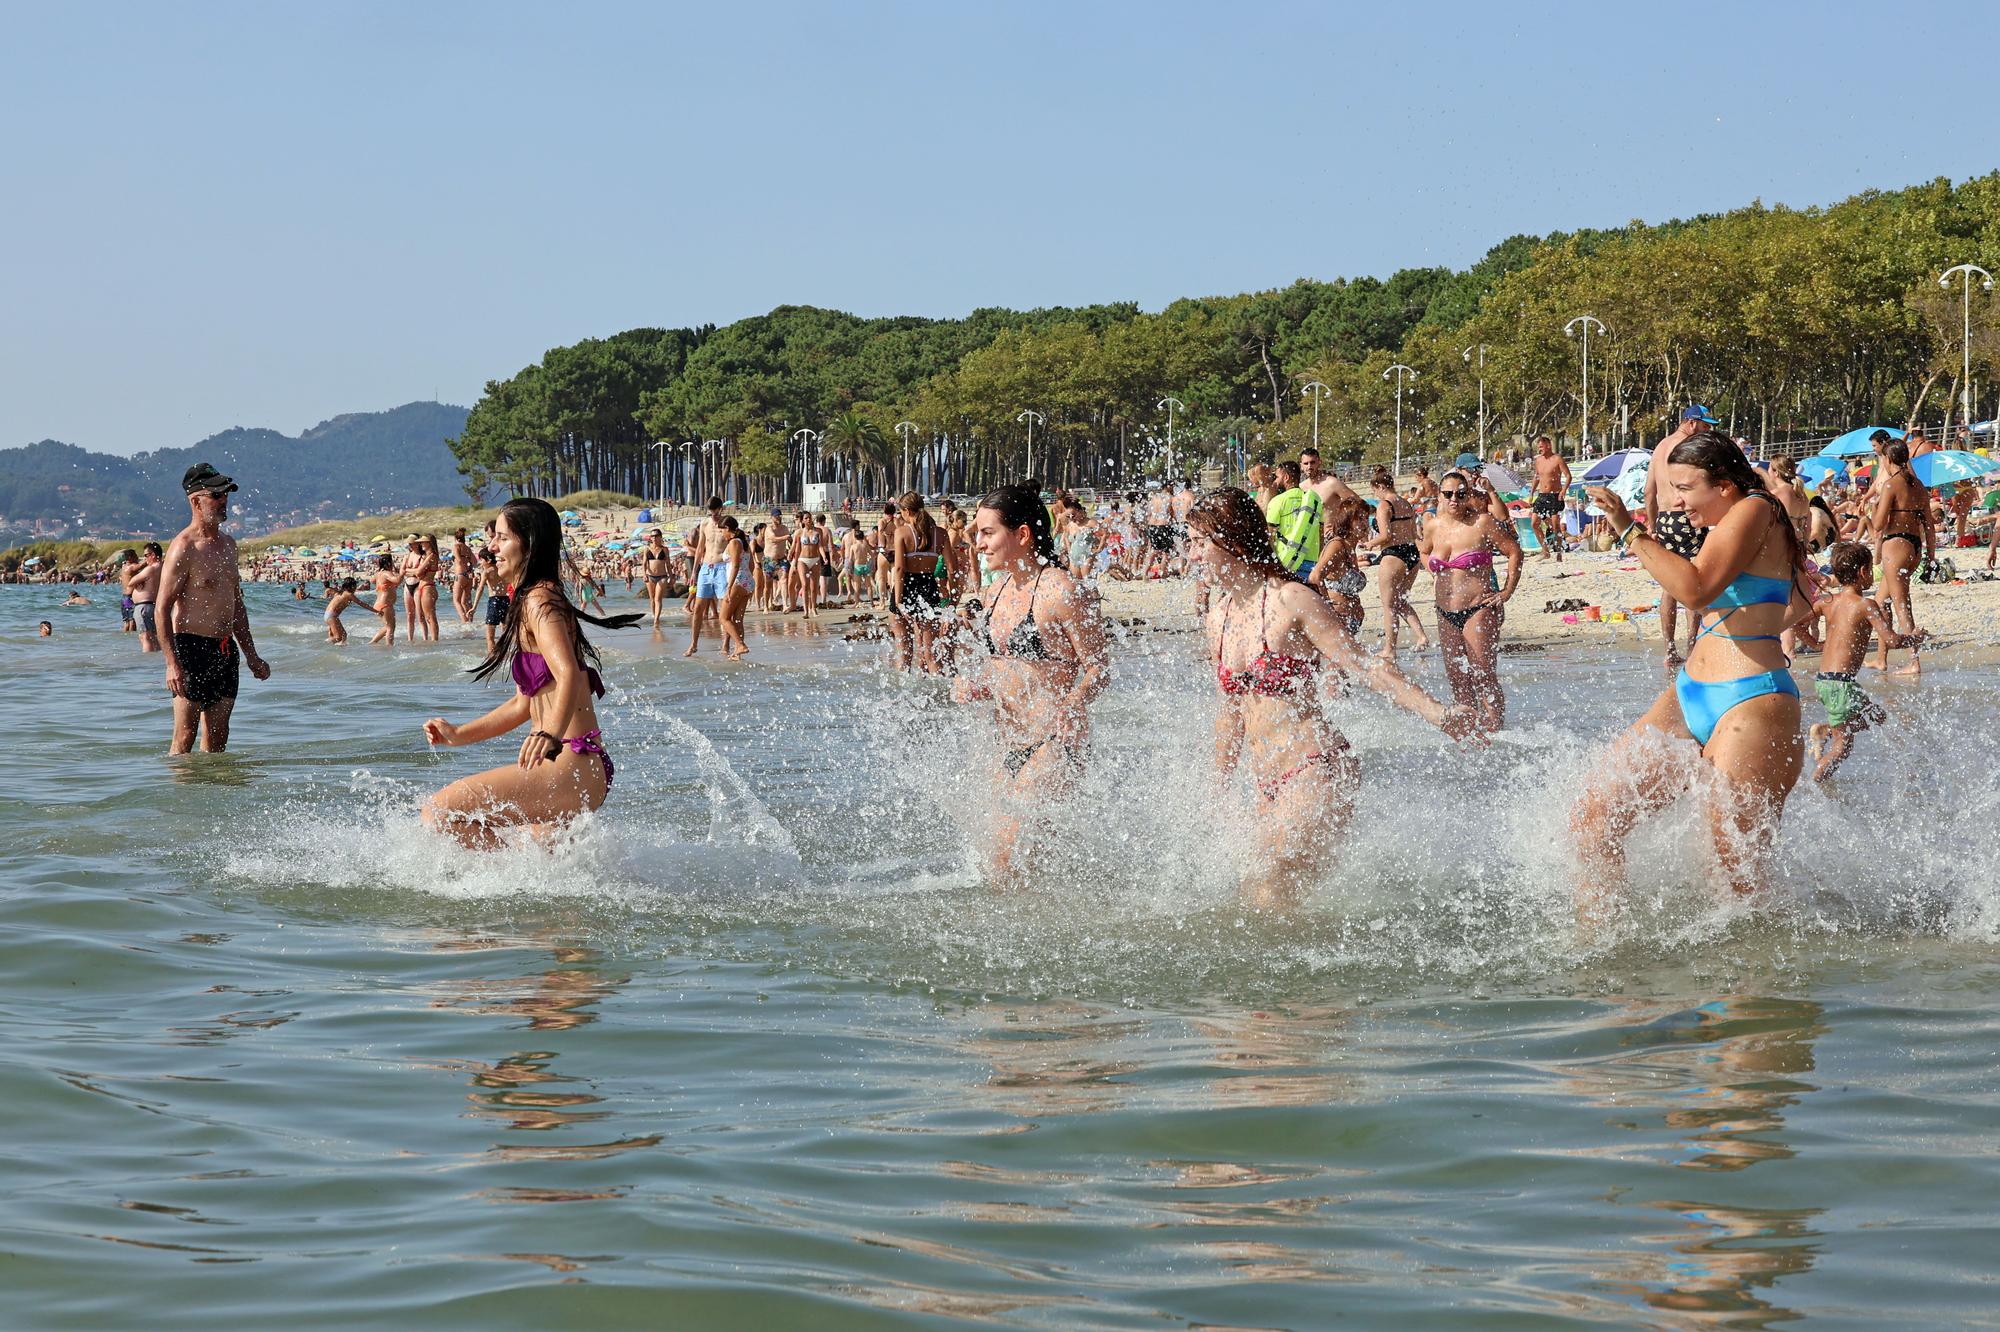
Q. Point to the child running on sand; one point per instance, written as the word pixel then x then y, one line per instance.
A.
pixel 1851 617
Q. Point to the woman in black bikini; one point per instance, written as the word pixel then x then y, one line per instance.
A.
pixel 657 563
pixel 1459 544
pixel 919 593
pixel 563 768
pixel 1905 532
pixel 1043 664
pixel 1268 635
pixel 1396 537
pixel 1343 527
pixel 412 561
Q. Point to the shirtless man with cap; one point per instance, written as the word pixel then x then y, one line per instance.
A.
pixel 201 611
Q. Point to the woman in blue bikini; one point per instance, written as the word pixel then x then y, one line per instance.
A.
pixel 1734 698
pixel 563 768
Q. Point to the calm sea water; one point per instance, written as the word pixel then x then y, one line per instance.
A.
pixel 756 1048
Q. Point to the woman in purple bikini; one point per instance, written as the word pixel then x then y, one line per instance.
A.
pixel 563 768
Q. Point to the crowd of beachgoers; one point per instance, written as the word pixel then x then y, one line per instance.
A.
pixel 1752 565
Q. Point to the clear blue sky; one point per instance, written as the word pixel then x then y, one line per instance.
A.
pixel 225 214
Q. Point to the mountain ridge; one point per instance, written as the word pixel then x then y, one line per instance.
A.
pixel 349 463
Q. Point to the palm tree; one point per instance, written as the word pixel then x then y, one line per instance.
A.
pixel 858 439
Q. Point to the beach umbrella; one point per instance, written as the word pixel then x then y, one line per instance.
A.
pixel 1614 465
pixel 1949 466
pixel 1816 471
pixel 569 513
pixel 1630 484
pixel 1500 478
pixel 1855 442
pixel 31 561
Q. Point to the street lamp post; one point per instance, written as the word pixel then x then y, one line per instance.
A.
pixel 1031 417
pixel 1170 404
pixel 1318 391
pixel 1570 329
pixel 662 447
pixel 1965 378
pixel 904 428
pixel 1467 355
pixel 686 480
pixel 803 437
pixel 1399 370
pixel 713 470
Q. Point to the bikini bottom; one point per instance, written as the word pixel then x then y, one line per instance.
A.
pixel 1017 759
pixel 1460 618
pixel 1324 759
pixel 1703 702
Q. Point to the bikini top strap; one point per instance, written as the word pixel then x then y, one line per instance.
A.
pixel 1263 620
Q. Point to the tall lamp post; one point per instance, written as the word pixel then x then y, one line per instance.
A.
pixel 1170 404
pixel 1570 329
pixel 712 470
pixel 1965 379
pixel 1318 391
pixel 1031 416
pixel 692 446
pixel 1399 370
pixel 904 428
pixel 1467 356
pixel 662 447
pixel 802 437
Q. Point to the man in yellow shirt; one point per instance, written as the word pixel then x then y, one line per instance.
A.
pixel 1295 522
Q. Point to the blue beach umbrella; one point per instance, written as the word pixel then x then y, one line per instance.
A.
pixel 1949 466
pixel 1816 471
pixel 1855 442
pixel 1614 465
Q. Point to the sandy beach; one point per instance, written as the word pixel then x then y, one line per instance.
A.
pixel 1963 616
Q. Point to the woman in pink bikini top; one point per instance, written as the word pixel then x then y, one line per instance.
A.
pixel 1270 636
pixel 563 768
pixel 1458 545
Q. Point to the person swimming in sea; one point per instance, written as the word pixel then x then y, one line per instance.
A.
pixel 563 768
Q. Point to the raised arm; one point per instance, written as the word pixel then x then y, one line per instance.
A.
pixel 1078 620
pixel 1503 538
pixel 1332 641
pixel 1731 545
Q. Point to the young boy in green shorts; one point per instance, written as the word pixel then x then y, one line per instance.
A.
pixel 1850 618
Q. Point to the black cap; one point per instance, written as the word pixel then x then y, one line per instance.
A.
pixel 203 476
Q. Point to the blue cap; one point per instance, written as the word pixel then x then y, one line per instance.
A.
pixel 1699 413
pixel 1466 460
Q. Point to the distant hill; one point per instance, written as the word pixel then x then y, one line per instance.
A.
pixel 355 462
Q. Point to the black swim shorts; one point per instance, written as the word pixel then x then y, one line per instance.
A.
pixel 922 597
pixel 208 669
pixel 1679 535
pixel 496 609
pixel 1548 505
pixel 1160 537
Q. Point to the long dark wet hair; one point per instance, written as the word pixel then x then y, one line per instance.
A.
pixel 1721 458
pixel 539 527
pixel 1231 519
pixel 1018 506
